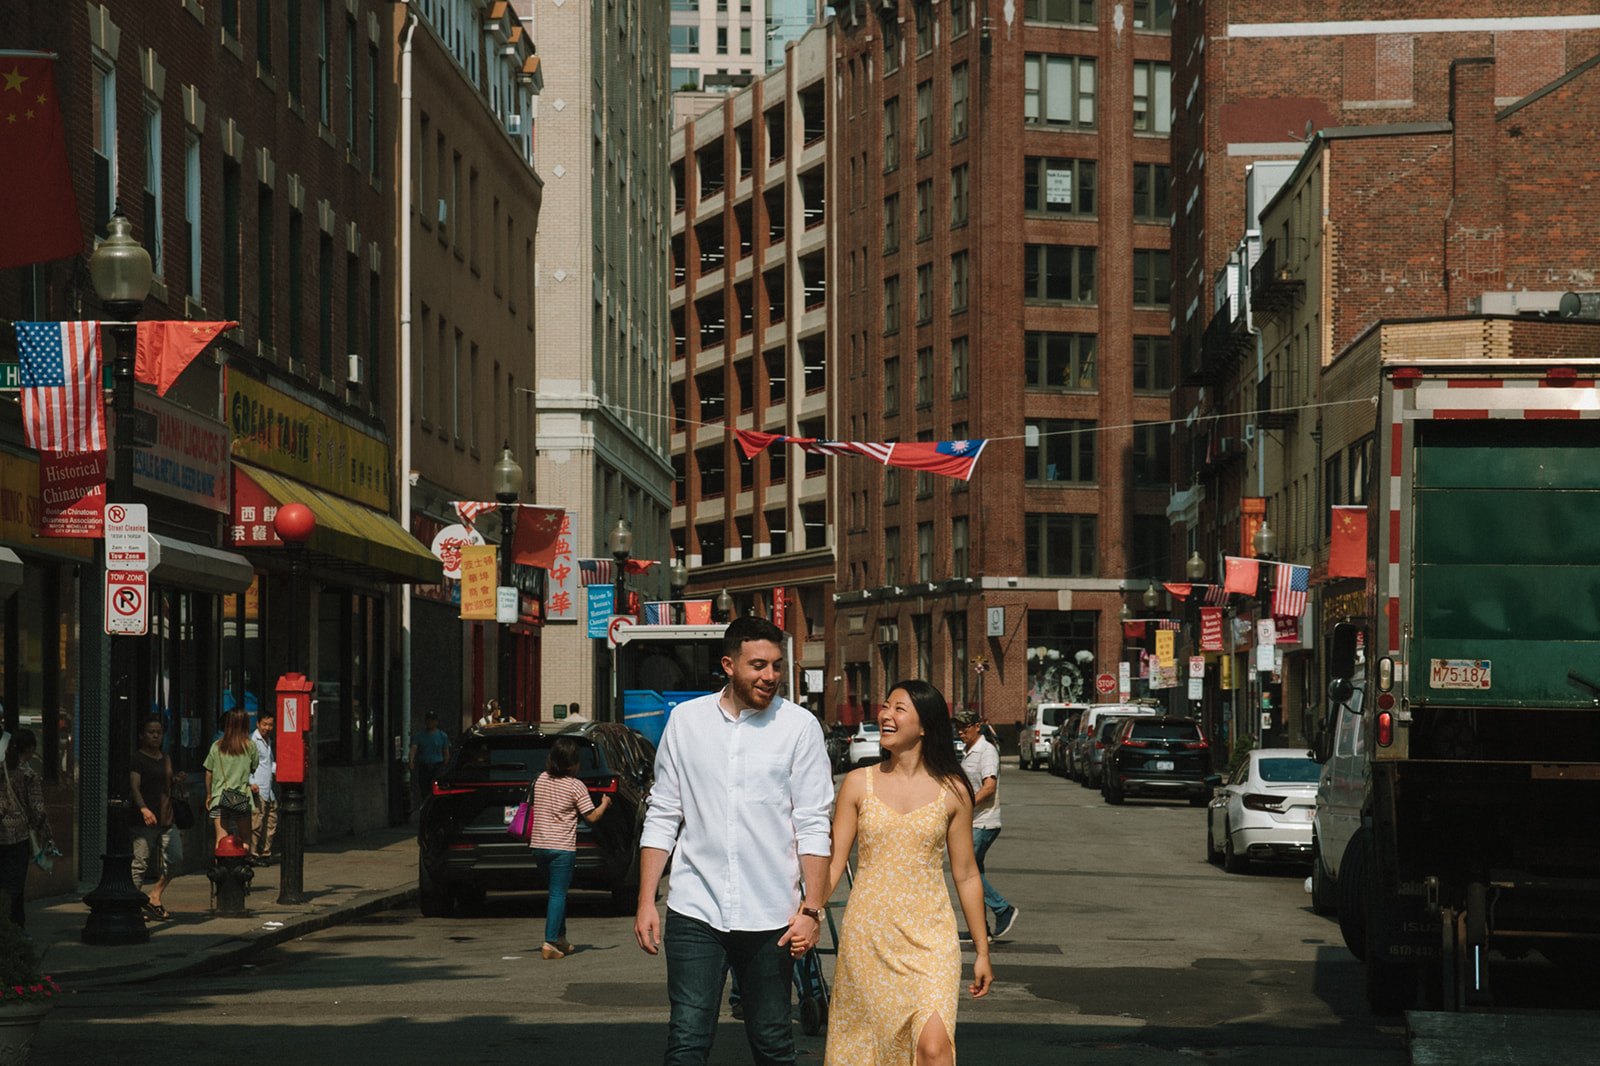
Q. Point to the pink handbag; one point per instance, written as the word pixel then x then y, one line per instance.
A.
pixel 520 822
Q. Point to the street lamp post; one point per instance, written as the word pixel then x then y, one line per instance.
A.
pixel 507 487
pixel 294 524
pixel 1265 543
pixel 724 606
pixel 678 576
pixel 120 270
pixel 620 541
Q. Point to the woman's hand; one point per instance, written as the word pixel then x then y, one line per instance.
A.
pixel 149 815
pixel 982 977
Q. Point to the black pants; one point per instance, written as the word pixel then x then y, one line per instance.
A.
pixel 14 860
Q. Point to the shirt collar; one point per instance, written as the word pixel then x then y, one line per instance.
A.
pixel 739 711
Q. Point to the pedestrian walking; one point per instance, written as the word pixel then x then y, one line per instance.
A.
pixel 23 820
pixel 229 766
pixel 157 841
pixel 264 815
pixel 558 799
pixel 981 764
pixel 740 801
pixel 430 750
pixel 898 982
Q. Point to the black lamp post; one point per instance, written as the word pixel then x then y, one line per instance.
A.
pixel 678 576
pixel 294 524
pixel 507 487
pixel 620 541
pixel 1265 543
pixel 120 270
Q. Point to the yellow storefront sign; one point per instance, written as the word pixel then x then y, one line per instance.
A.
pixel 477 581
pixel 21 510
pixel 1164 641
pixel 283 434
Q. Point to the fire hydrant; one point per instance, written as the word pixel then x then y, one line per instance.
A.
pixel 230 875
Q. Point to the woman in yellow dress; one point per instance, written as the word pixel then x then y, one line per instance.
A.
pixel 898 979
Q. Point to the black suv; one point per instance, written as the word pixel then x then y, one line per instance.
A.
pixel 463 847
pixel 1158 756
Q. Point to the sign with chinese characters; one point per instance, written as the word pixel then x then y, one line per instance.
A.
pixel 1164 646
pixel 283 434
pixel 478 581
pixel 561 590
pixel 253 512
pixel 447 545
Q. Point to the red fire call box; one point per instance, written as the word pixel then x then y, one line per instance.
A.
pixel 294 722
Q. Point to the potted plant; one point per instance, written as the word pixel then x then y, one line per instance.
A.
pixel 26 992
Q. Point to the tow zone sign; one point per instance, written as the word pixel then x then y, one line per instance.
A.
pixel 127 602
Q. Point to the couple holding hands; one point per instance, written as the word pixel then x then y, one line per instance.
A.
pixel 743 790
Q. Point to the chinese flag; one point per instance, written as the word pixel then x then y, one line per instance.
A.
pixel 40 221
pixel 1347 551
pixel 1243 575
pixel 165 348
pixel 538 540
pixel 697 612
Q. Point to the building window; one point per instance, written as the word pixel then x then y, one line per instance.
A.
pixel 923 12
pixel 684 39
pixel 959 195
pixel 958 431
pixel 1151 364
pixel 1060 273
pixel 924 376
pixel 891 223
pixel 1059 449
pixel 324 72
pixel 924 118
pixel 296 252
pixel 1058 90
pixel 958 101
pixel 1080 12
pixel 891 134
pixel 960 15
pixel 959 287
pixel 924 477
pixel 891 485
pixel 1152 97
pixel 191 213
pixel 922 635
pixel 891 555
pixel 924 209
pixel 1058 360
pixel 1060 545
pixel 265 282
pixel 373 167
pixel 891 46
pixel 232 235
pixel 325 306
pixel 1150 547
pixel 958 546
pixel 1151 443
pixel 1059 186
pixel 891 386
pixel 722 40
pixel 103 103
pixel 152 186
pixel 1152 15
pixel 924 293
pixel 264 35
pixel 229 10
pixel 958 366
pixel 744 40
pixel 1152 277
pixel 891 304
pixel 291 64
pixel 1152 192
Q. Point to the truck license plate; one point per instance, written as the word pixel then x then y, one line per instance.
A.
pixel 1165 764
pixel 511 812
pixel 1458 673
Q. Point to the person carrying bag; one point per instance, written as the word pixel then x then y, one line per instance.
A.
pixel 24 822
pixel 229 765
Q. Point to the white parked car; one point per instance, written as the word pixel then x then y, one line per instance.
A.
pixel 1264 811
pixel 864 747
pixel 1039 726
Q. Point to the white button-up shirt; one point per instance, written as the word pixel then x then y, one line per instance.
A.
pixel 740 800
pixel 266 766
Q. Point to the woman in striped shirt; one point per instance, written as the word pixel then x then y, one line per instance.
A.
pixel 559 798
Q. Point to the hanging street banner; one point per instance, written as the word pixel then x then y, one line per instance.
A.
pixel 72 487
pixel 478 571
pixel 600 597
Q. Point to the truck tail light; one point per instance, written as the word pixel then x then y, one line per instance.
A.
pixel 1136 743
pixel 445 790
pixel 603 784
pixel 1258 802
pixel 1197 745
pixel 1385 729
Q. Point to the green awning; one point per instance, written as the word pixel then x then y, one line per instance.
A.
pixel 351 536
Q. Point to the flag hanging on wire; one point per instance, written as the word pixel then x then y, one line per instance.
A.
pixel 1289 595
pixel 1347 551
pixel 1242 575
pixel 537 540
pixel 469 510
pixel 952 458
pixel 166 348
pixel 600 572
pixel 63 399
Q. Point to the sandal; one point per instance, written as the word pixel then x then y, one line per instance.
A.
pixel 156 910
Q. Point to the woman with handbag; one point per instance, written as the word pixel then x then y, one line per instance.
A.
pixel 557 800
pixel 24 822
pixel 156 834
pixel 229 764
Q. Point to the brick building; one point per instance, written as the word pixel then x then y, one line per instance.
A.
pixel 998 189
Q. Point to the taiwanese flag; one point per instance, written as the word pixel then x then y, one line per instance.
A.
pixel 165 348
pixel 1347 551
pixel 1242 575
pixel 538 539
pixel 952 458
pixel 40 221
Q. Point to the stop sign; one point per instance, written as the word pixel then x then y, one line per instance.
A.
pixel 1105 684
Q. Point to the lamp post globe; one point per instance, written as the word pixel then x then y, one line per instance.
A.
pixel 1151 597
pixel 1195 567
pixel 1265 542
pixel 507 476
pixel 120 269
pixel 725 605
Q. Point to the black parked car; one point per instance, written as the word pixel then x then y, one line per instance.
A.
pixel 464 850
pixel 1158 756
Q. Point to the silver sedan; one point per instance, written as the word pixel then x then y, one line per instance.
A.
pixel 1264 811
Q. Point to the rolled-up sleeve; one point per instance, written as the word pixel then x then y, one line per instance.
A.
pixel 664 816
pixel 812 794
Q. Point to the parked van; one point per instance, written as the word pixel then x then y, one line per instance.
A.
pixel 1085 768
pixel 1038 726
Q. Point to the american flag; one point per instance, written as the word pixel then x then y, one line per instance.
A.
pixel 63 402
pixel 594 572
pixel 469 510
pixel 880 452
pixel 1289 598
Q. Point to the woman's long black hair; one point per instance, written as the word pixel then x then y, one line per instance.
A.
pixel 938 736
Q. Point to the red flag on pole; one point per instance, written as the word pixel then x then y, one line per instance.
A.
pixel 538 540
pixel 1347 550
pixel 40 222
pixel 165 348
pixel 1242 577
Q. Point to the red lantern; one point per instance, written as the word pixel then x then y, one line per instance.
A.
pixel 295 523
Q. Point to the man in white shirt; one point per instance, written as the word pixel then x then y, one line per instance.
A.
pixel 742 795
pixel 981 764
pixel 264 815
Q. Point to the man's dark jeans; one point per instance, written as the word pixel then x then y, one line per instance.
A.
pixel 698 960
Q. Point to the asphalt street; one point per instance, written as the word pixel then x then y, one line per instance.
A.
pixel 1130 948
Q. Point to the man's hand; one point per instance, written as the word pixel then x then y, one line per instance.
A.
pixel 802 934
pixel 647 927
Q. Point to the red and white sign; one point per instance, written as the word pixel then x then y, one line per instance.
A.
pixel 1211 629
pixel 72 487
pixel 779 603
pixel 254 508
pixel 561 591
pixel 615 626
pixel 127 537
pixel 127 602
pixel 1105 684
pixel 447 545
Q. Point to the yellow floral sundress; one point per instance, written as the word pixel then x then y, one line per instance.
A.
pixel 899 961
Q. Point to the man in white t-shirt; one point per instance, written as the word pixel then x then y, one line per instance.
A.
pixel 981 764
pixel 741 801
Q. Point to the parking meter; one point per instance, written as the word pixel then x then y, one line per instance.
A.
pixel 294 722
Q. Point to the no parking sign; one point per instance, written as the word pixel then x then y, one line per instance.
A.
pixel 127 602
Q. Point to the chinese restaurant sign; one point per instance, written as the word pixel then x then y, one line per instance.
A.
pixel 291 437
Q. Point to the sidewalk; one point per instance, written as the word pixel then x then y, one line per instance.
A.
pixel 343 880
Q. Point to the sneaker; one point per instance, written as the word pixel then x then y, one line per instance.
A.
pixel 550 951
pixel 1004 922
pixel 738 1011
